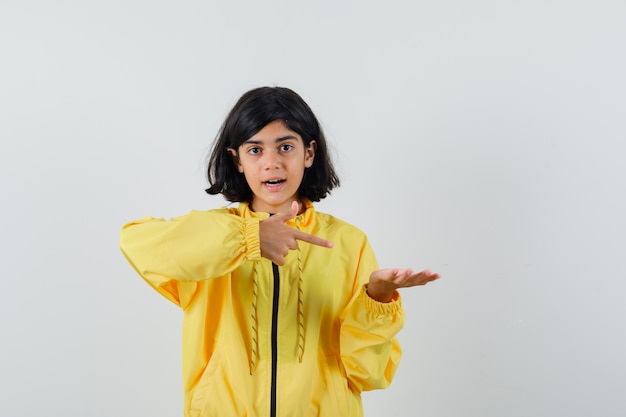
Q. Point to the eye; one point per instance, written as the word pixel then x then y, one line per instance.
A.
pixel 286 147
pixel 254 150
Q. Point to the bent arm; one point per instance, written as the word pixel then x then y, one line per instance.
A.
pixel 370 352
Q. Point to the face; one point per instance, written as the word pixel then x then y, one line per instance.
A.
pixel 273 162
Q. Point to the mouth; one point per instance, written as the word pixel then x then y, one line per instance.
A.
pixel 273 182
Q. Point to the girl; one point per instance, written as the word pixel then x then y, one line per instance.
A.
pixel 285 310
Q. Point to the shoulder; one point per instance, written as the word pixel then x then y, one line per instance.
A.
pixel 335 225
pixel 214 211
pixel 348 240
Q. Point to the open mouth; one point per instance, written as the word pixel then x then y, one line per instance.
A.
pixel 273 183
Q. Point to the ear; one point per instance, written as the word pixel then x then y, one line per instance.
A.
pixel 233 154
pixel 309 154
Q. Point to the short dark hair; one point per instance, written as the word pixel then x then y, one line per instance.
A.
pixel 255 110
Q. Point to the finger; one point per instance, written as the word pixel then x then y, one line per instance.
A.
pixel 284 217
pixel 312 239
pixel 407 272
pixel 399 276
pixel 292 244
pixel 430 274
pixel 424 278
pixel 294 208
pixel 403 276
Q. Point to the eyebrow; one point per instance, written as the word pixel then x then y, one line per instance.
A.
pixel 278 140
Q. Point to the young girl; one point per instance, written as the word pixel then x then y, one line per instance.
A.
pixel 285 310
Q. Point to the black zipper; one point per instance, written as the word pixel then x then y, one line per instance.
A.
pixel 274 339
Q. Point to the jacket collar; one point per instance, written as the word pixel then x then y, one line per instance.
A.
pixel 305 219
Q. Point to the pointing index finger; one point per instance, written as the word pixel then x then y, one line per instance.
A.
pixel 314 240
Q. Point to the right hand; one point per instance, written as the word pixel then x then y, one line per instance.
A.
pixel 277 239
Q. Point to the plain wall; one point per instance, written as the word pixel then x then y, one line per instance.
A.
pixel 484 140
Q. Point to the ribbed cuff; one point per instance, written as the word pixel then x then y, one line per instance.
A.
pixel 251 238
pixel 390 308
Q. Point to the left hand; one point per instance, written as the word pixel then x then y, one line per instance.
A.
pixel 384 282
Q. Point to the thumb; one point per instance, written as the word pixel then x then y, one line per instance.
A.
pixel 284 217
pixel 294 209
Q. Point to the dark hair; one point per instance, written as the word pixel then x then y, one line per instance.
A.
pixel 254 110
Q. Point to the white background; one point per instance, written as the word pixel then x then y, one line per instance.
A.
pixel 484 140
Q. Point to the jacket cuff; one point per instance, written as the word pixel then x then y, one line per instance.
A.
pixel 392 307
pixel 251 239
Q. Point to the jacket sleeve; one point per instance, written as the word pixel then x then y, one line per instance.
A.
pixel 370 351
pixel 174 255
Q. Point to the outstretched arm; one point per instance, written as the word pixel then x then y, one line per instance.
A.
pixel 173 255
pixel 384 282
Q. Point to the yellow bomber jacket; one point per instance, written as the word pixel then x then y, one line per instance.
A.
pixel 303 339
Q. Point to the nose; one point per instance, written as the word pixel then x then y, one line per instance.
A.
pixel 271 160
